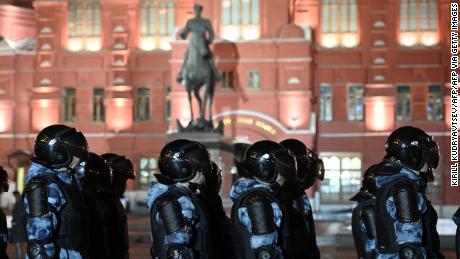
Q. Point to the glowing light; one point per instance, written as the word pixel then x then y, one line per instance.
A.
pixel 226 3
pixel 93 44
pixel 408 39
pixel 165 44
pixel 379 114
pixel 350 40
pixel 429 39
pixel 330 40
pixel 44 112
pixel 6 116
pixel 250 32
pixel 230 33
pixel 44 103
pixel 75 44
pixel 119 114
pixel 147 43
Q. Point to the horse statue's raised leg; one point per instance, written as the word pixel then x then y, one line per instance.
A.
pixel 209 95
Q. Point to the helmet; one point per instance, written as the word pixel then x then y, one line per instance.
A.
pixel 181 159
pixel 265 160
pixel 213 180
pixel 238 152
pixel 309 166
pixel 122 170
pixel 368 182
pixel 412 147
pixel 98 175
pixel 4 182
pixel 57 145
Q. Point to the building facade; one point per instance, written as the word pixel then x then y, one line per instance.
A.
pixel 339 75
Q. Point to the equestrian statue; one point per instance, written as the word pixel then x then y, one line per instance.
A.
pixel 198 70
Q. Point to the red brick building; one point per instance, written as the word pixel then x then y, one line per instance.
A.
pixel 338 74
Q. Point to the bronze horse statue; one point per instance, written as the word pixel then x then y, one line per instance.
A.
pixel 198 69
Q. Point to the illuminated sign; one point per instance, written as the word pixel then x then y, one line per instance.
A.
pixel 251 122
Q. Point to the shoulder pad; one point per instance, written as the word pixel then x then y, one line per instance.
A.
pixel 387 168
pixel 406 201
pixel 260 213
pixel 34 183
pixel 36 193
pixel 361 196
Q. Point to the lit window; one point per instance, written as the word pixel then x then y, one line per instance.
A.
pixel 254 79
pixel 84 25
pixel 148 168
pixel 435 107
pixel 227 79
pixel 355 103
pixel 156 24
pixel 98 105
pixel 143 104
pixel 240 20
pixel 339 19
pixel 167 111
pixel 342 177
pixel 325 102
pixel 69 109
pixel 403 103
pixel 418 23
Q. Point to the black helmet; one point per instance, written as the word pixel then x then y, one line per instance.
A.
pixel 56 145
pixel 98 175
pixel 181 159
pixel 309 166
pixel 265 159
pixel 412 147
pixel 122 170
pixel 4 182
pixel 213 181
pixel 368 182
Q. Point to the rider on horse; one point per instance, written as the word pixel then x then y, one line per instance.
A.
pixel 199 26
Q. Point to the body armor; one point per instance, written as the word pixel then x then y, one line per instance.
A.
pixel 166 206
pixel 118 230
pixel 364 215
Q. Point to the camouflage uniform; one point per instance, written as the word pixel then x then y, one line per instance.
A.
pixel 404 232
pixel 44 228
pixel 241 186
pixel 189 212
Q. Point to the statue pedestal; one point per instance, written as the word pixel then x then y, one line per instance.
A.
pixel 221 150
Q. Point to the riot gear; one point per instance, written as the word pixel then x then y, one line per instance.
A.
pixel 181 159
pixel 4 182
pixel 57 146
pixel 121 164
pixel 363 216
pixel 98 175
pixel 238 153
pixel 265 160
pixel 411 147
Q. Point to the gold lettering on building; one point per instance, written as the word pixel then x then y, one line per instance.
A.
pixel 249 121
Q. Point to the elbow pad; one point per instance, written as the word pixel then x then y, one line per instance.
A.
pixel 409 251
pixel 368 217
pixel 36 250
pixel 267 252
pixel 406 202
pixel 178 252
pixel 36 192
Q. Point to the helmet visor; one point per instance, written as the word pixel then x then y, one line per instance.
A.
pixel 433 153
pixel 180 169
pixel 286 164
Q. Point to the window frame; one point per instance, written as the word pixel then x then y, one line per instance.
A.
pixel 361 116
pixel 321 109
pixel 441 98
pixel 150 171
pixel 90 28
pixel 398 98
pixel 148 102
pixel 151 15
pixel 236 11
pixel 98 100
pixel 69 115
pixel 251 80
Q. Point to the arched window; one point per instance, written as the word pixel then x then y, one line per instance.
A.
pixel 157 24
pixel 83 25
pixel 418 23
pixel 339 20
pixel 240 19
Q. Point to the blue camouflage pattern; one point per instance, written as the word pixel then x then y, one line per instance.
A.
pixel 370 243
pixel 240 187
pixel 405 232
pixel 189 212
pixel 306 204
pixel 44 228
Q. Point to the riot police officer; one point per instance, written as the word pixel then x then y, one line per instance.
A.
pixel 179 221
pixel 51 195
pixel 363 216
pixel 4 186
pixel 96 182
pixel 300 241
pixel 400 200
pixel 122 170
pixel 456 219
pixel 219 223
pixel 256 214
